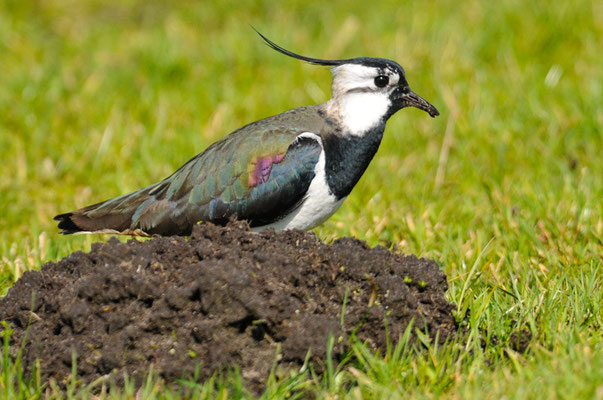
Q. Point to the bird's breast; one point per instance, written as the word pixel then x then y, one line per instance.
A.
pixel 347 157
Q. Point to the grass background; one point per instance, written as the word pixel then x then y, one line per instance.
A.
pixel 504 189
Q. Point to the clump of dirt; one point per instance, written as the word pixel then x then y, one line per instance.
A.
pixel 223 297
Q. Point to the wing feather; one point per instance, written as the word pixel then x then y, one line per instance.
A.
pixel 260 173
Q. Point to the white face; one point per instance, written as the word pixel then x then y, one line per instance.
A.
pixel 359 98
pixel 349 78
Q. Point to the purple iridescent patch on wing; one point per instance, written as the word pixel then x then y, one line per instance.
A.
pixel 263 167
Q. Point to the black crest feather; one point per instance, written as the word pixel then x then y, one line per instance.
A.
pixel 366 61
pixel 311 60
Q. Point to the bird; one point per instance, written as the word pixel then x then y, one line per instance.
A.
pixel 289 171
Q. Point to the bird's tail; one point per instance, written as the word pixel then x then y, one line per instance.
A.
pixel 117 215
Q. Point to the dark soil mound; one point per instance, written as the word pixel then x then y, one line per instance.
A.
pixel 225 296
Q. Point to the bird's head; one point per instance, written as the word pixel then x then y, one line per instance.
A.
pixel 366 90
pixel 378 78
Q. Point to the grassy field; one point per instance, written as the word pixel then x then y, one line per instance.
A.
pixel 504 189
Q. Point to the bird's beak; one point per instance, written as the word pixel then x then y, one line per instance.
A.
pixel 411 99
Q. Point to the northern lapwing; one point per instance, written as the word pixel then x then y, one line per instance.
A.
pixel 289 171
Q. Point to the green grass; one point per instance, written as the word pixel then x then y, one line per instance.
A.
pixel 504 189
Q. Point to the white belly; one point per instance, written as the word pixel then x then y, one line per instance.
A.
pixel 311 214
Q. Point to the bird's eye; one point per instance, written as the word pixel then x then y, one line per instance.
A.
pixel 381 81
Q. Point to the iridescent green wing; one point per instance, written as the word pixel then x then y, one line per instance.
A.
pixel 257 176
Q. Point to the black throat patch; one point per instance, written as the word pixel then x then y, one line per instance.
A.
pixel 346 158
